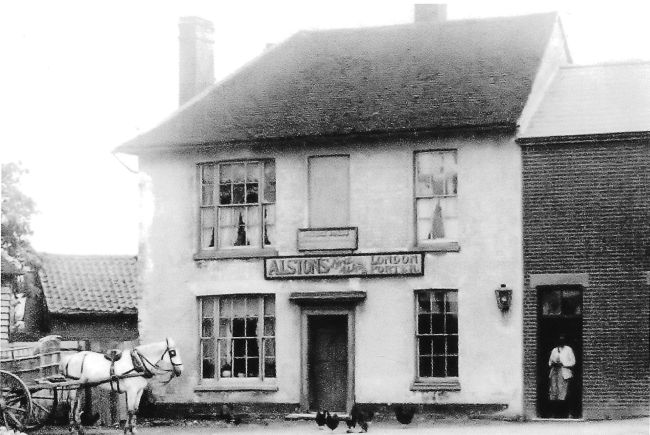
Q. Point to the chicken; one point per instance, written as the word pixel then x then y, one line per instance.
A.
pixel 320 420
pixel 361 416
pixel 405 413
pixel 332 421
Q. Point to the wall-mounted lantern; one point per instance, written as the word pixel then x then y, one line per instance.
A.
pixel 504 297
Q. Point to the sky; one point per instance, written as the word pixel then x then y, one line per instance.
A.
pixel 79 78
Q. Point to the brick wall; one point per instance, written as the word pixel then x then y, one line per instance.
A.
pixel 587 210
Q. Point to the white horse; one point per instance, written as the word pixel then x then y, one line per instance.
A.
pixel 129 374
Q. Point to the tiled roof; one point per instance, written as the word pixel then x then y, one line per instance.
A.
pixel 592 100
pixel 463 73
pixel 89 284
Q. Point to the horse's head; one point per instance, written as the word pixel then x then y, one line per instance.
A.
pixel 173 357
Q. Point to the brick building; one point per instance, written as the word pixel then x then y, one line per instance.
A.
pixel 586 187
pixel 329 224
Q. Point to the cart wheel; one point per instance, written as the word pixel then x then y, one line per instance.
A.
pixel 44 404
pixel 15 402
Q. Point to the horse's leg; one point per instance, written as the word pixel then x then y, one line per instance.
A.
pixel 127 424
pixel 75 412
pixel 133 409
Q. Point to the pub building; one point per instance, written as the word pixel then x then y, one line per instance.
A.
pixel 339 221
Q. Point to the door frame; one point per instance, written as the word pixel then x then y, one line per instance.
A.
pixel 347 311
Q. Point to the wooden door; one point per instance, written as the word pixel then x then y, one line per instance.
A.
pixel 328 362
pixel 559 312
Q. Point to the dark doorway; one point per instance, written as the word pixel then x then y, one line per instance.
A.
pixel 328 362
pixel 559 312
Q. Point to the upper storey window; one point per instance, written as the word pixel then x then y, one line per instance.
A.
pixel 237 205
pixel 436 196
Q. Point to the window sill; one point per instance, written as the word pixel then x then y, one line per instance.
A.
pixel 237 385
pixel 442 246
pixel 225 254
pixel 436 384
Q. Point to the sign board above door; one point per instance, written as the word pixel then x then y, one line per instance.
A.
pixel 327 239
pixel 345 266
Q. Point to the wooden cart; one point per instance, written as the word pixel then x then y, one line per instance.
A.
pixel 30 384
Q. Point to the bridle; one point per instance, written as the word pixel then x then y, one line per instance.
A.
pixel 152 369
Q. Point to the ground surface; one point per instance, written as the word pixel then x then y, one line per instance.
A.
pixel 482 427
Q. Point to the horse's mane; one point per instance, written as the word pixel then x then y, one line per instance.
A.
pixel 158 346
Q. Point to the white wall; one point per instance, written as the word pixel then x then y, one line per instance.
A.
pixel 381 206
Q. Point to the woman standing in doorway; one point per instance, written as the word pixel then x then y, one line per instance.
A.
pixel 561 362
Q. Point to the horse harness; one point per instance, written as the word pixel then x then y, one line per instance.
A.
pixel 139 362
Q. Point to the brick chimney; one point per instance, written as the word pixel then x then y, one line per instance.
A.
pixel 430 13
pixel 196 57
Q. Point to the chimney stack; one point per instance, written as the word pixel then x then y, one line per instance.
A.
pixel 430 13
pixel 195 57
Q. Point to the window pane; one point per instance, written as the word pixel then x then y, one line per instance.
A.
pixel 253 172
pixel 269 368
pixel 269 181
pixel 269 347
pixel 269 305
pixel 207 327
pixel 225 327
pixel 423 302
pixel 452 345
pixel 425 346
pixel 438 345
pixel 438 323
pixel 438 367
pixel 251 327
pixel 269 326
pixel 438 305
pixel 239 367
pixel 207 307
pixel 252 193
pixel 551 302
pixel 571 302
pixel 238 193
pixel 207 347
pixel 225 174
pixel 239 327
pixel 269 227
pixel 252 347
pixel 452 366
pixel 451 302
pixel 207 194
pixel 225 194
pixel 424 324
pixel 238 347
pixel 238 173
pixel 207 238
pixel 208 369
pixel 253 367
pixel 207 217
pixel 225 307
pixel 207 174
pixel 425 367
pixel 239 306
pixel 452 324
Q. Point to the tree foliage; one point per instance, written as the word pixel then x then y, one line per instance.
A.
pixel 17 210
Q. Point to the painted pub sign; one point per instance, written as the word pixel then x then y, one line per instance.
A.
pixel 345 266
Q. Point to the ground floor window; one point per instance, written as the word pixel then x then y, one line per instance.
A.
pixel 437 333
pixel 237 336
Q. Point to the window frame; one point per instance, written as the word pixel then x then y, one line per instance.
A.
pixel 234 383
pixel 434 383
pixel 434 245
pixel 262 250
